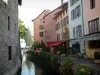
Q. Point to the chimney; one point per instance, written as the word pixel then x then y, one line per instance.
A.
pixel 61 2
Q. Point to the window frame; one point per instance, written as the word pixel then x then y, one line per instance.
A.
pixel 74 32
pixel 58 37
pixel 93 26
pixel 9 53
pixel 9 23
pixel 41 34
pixel 92 4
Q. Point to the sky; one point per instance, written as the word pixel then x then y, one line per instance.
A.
pixel 30 9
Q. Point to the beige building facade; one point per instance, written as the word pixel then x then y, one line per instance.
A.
pixel 62 22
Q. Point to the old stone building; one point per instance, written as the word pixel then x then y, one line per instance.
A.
pixel 9 37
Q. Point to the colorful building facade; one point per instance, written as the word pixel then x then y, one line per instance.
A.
pixel 39 27
pixel 49 25
pixel 76 23
pixel 62 22
pixel 91 26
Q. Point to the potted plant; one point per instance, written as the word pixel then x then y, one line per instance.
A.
pixel 85 70
pixel 97 57
pixel 67 66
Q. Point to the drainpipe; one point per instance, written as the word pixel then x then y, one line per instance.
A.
pixel 82 1
pixel 82 16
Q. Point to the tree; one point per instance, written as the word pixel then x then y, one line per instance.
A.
pixel 28 38
pixel 22 28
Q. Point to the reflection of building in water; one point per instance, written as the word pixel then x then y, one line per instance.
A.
pixel 28 67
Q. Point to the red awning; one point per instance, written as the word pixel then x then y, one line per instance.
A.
pixel 54 43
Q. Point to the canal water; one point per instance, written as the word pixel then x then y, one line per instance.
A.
pixel 28 68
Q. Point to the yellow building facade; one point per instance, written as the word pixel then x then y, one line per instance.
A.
pixel 62 22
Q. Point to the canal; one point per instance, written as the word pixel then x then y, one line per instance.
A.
pixel 28 68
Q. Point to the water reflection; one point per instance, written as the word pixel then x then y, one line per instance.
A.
pixel 28 67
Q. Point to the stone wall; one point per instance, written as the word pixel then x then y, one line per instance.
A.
pixel 9 37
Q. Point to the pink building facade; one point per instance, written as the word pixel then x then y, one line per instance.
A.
pixel 39 27
pixel 92 26
pixel 50 25
pixel 90 13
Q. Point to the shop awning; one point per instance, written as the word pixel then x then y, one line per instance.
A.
pixel 54 43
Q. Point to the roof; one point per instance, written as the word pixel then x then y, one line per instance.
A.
pixel 66 3
pixel 58 13
pixel 38 16
pixel 20 2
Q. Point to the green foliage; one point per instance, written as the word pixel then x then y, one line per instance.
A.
pixel 40 45
pixel 66 66
pixel 67 60
pixel 97 55
pixel 28 38
pixel 85 70
pixel 54 57
pixel 48 63
pixel 54 60
pixel 22 28
pixel 36 45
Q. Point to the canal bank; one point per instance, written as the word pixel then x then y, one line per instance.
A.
pixel 29 68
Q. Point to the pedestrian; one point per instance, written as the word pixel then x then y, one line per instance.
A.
pixel 58 52
pixel 52 51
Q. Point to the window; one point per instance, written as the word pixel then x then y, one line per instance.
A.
pixel 62 23
pixel 66 10
pixel 64 35
pixel 63 13
pixel 64 20
pixel 58 18
pixel 93 26
pixel 78 11
pixel 58 37
pixel 75 12
pixel 67 18
pixel 9 53
pixel 94 44
pixel 58 26
pixel 92 4
pixel 72 2
pixel 5 5
pixel 74 32
pixel 72 15
pixel 78 31
pixel 8 23
pixel 41 34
